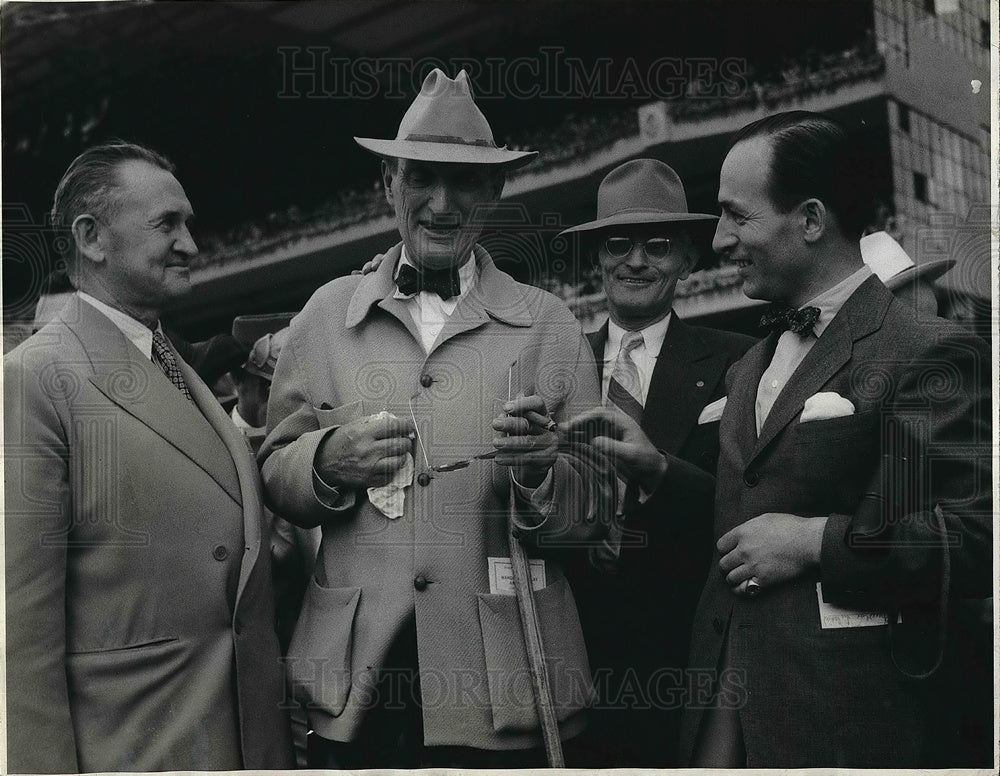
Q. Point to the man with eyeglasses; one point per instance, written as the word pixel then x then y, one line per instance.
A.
pixel 661 382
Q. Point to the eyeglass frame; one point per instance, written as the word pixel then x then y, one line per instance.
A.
pixel 632 242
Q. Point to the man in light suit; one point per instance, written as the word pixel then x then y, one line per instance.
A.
pixel 637 604
pixel 853 501
pixel 409 648
pixel 140 622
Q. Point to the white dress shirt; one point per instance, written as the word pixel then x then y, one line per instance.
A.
pixel 644 356
pixel 139 334
pixel 792 347
pixel 429 311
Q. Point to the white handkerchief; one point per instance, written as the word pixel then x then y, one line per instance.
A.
pixel 389 498
pixel 826 405
pixel 713 411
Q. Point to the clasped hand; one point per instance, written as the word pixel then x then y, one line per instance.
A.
pixel 531 443
pixel 772 548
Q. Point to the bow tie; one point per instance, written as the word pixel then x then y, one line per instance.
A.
pixel 781 317
pixel 443 282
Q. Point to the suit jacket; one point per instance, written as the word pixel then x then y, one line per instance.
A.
pixel 140 630
pixel 353 351
pixel 637 621
pixel 917 448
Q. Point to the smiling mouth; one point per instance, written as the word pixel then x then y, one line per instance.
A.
pixel 635 281
pixel 743 263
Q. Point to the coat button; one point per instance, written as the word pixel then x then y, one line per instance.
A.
pixel 420 583
pixel 238 626
pixel 220 553
pixel 751 478
pixel 426 380
pixel 423 479
pixel 700 383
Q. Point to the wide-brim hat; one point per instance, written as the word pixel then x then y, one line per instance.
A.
pixel 643 192
pixel 264 336
pixel 443 124
pixel 893 265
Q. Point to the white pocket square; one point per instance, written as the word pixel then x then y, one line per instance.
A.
pixel 826 405
pixel 713 411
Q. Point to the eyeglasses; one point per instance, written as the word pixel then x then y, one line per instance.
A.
pixel 654 247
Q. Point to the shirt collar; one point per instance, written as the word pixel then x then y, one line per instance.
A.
pixel 652 336
pixel 242 424
pixel 830 301
pixel 139 334
pixel 466 275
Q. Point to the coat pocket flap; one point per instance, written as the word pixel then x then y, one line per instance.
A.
pixel 319 657
pixel 509 678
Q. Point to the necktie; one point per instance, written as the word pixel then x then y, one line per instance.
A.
pixel 625 388
pixel 443 282
pixel 164 358
pixel 782 318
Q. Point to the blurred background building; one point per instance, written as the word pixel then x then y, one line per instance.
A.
pixel 257 103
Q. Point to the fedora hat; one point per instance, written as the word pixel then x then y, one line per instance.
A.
pixel 893 265
pixel 443 124
pixel 640 193
pixel 264 336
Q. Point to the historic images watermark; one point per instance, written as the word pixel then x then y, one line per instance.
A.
pixel 317 72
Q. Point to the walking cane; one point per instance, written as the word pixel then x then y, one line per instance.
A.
pixel 533 642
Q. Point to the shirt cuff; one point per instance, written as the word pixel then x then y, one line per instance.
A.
pixel 331 496
pixel 541 497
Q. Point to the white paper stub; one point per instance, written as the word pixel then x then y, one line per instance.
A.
pixel 831 616
pixel 502 575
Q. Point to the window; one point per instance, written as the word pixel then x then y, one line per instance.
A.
pixel 984 33
pixel 929 7
pixel 904 118
pixel 920 187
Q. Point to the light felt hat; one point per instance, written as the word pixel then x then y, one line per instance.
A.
pixel 893 265
pixel 638 193
pixel 443 124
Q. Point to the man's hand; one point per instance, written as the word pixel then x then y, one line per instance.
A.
pixel 370 266
pixel 365 453
pixel 772 548
pixel 531 443
pixel 618 436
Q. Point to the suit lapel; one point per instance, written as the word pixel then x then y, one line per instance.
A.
pixel 861 314
pixel 741 403
pixel 598 341
pixel 140 388
pixel 246 469
pixel 683 375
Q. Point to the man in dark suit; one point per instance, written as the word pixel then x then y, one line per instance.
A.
pixel 660 378
pixel 140 622
pixel 853 506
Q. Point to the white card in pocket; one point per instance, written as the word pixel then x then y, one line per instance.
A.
pixel 502 575
pixel 831 616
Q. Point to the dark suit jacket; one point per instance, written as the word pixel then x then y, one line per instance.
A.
pixel 637 622
pixel 140 624
pixel 814 697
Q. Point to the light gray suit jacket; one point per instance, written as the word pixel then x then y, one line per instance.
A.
pixel 140 625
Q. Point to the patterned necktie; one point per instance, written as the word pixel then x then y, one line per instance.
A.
pixel 164 358
pixel 443 282
pixel 781 318
pixel 625 388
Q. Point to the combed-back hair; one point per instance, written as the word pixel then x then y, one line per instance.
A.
pixel 90 183
pixel 812 156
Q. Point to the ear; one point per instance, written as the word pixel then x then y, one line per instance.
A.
pixel 87 236
pixel 387 181
pixel 691 256
pixel 814 219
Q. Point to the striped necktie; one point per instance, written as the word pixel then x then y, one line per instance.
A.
pixel 625 388
pixel 164 358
